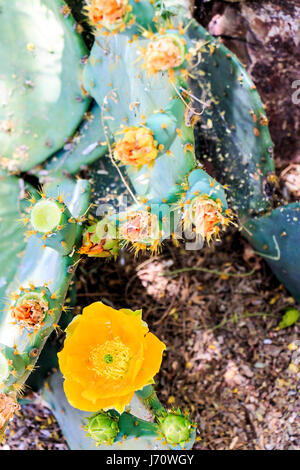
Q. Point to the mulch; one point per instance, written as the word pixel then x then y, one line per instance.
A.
pixel 217 310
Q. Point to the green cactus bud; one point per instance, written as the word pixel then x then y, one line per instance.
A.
pixel 176 428
pixel 103 428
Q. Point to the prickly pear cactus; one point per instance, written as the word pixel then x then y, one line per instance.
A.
pixel 13 203
pixel 148 120
pixel 165 92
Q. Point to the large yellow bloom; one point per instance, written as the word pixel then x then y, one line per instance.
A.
pixel 108 354
pixel 137 147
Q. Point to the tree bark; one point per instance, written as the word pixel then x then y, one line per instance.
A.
pixel 265 35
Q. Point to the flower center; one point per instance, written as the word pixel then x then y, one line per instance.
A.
pixel 111 359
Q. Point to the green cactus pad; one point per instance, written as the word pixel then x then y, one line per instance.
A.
pixel 232 136
pixel 145 97
pixel 87 145
pixel 4 367
pixel 40 93
pixel 275 237
pixel 12 231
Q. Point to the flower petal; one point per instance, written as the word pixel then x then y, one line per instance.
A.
pixel 154 349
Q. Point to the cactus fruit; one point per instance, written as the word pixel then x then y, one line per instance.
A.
pixel 102 428
pixel 41 109
pixel 52 222
pixel 176 428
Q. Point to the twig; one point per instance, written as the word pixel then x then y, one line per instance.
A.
pixel 206 270
pixel 110 153
pixel 236 318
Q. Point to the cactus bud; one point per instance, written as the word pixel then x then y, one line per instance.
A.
pixel 103 428
pixel 175 428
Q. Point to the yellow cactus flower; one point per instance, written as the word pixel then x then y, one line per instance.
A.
pixel 137 147
pixel 163 54
pixel 107 13
pixel 108 354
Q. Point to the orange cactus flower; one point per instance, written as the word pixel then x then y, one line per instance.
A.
pixel 163 54
pixel 8 406
pixel 137 147
pixel 108 354
pixel 107 13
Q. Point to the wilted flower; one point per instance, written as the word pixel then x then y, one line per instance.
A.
pixel 107 12
pixel 137 147
pixel 163 53
pixel 207 216
pixel 8 406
